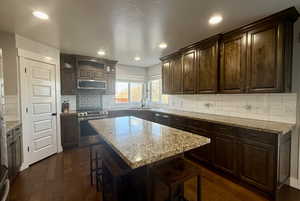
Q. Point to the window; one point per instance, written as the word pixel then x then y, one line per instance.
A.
pixel 129 92
pixel 155 91
pixel 122 92
pixel 136 92
pixel 156 95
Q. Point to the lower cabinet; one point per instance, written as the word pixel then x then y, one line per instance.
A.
pixel 252 157
pixel 257 164
pixel 69 130
pixel 225 153
pixel 14 152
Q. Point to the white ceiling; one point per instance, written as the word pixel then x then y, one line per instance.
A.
pixel 129 28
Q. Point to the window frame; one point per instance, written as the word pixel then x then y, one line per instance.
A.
pixel 160 92
pixel 129 91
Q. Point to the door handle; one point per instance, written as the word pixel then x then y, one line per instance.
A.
pixel 54 114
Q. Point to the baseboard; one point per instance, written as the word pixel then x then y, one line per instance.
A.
pixel 23 166
pixel 294 183
pixel 60 149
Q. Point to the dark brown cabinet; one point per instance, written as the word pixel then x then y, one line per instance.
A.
pixel 68 74
pixel 90 69
pixel 76 67
pixel 14 152
pixel 177 76
pixel 207 66
pixel 166 77
pixel 189 71
pixel 257 162
pixel 111 84
pixel 225 153
pixel 255 58
pixel 266 68
pixel 233 63
pixel 69 130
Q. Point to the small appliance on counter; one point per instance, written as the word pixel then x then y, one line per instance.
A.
pixel 65 107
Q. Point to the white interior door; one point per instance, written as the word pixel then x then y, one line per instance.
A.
pixel 41 109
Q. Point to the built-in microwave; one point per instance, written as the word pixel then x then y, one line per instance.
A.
pixel 91 84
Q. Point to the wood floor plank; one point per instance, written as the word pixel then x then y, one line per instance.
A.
pixel 65 177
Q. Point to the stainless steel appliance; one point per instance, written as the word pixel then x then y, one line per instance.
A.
pixel 84 116
pixel 91 84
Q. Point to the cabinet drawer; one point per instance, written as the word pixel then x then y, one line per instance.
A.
pixel 198 126
pixel 178 122
pixel 259 136
pixel 224 130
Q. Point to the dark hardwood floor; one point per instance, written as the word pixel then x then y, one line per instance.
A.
pixel 65 177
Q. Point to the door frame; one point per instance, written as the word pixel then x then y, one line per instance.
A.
pixel 22 55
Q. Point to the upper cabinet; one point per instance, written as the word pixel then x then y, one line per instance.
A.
pixel 266 65
pixel 166 77
pixel 177 75
pixel 256 58
pixel 75 67
pixel 189 61
pixel 233 63
pixel 68 74
pixel 207 65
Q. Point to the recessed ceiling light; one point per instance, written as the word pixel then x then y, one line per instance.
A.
pixel 215 19
pixel 101 52
pixel 137 58
pixel 40 15
pixel 163 45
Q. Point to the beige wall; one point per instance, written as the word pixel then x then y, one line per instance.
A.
pixel 296 89
pixel 8 45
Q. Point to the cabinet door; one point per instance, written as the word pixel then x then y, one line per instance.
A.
pixel 69 130
pixel 265 59
pixel 176 80
pixel 85 74
pixel 68 75
pixel 99 74
pixel 189 73
pixel 225 153
pixel 203 153
pixel 18 152
pixel 11 159
pixel 110 84
pixel 233 64
pixel 166 77
pixel 257 164
pixel 207 69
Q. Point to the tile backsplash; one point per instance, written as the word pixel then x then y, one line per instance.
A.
pixel 71 100
pixel 270 107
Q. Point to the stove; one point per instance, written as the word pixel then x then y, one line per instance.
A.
pixel 90 115
pixel 87 132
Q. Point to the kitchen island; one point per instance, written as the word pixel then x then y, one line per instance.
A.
pixel 141 144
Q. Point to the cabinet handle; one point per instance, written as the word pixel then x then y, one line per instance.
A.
pixel 54 114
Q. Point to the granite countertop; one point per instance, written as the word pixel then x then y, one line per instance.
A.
pixel 139 142
pixel 260 125
pixel 11 125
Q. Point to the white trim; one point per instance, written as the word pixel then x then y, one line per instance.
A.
pixel 37 57
pixel 294 183
pixel 22 55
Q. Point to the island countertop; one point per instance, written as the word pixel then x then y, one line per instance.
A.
pixel 139 142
